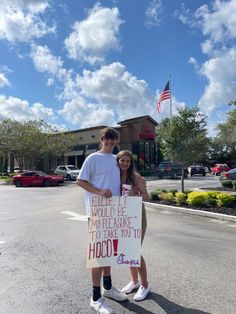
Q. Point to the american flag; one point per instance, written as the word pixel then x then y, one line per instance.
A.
pixel 165 94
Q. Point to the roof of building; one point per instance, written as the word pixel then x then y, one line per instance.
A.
pixel 136 119
pixel 88 129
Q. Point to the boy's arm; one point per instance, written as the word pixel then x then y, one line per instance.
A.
pixel 92 189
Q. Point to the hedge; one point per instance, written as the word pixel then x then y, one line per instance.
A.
pixel 194 198
pixel 226 183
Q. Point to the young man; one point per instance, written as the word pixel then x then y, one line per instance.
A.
pixel 100 175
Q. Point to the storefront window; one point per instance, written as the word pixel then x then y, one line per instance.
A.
pixel 144 154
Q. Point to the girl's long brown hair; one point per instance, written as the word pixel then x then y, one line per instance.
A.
pixel 131 170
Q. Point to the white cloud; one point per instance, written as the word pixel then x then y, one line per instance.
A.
pixel 45 61
pixel 194 62
pixel 20 21
pixel 153 13
pixel 93 37
pixel 118 89
pixel 3 80
pixel 84 114
pixel 218 24
pixel 106 96
pixel 220 72
pixel 18 109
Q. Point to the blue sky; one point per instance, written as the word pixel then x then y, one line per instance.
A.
pixel 77 64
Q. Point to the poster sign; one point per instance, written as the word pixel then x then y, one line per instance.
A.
pixel 114 235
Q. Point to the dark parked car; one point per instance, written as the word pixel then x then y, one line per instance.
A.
pixel 229 175
pixel 171 169
pixel 36 178
pixel 197 169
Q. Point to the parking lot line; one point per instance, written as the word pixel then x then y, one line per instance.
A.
pixel 75 216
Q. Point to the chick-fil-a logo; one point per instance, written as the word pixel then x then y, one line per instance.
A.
pixel 122 260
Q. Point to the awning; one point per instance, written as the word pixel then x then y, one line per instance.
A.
pixel 146 136
pixel 74 153
pixel 90 151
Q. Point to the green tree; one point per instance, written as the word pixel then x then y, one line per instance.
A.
pixel 183 138
pixel 227 133
pixel 218 152
pixel 29 141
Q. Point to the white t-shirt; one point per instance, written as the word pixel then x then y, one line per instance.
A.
pixel 102 171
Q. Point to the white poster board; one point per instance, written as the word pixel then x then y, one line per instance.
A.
pixel 114 235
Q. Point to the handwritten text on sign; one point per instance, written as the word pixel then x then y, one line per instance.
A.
pixel 115 231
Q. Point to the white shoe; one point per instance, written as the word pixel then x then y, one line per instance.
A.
pixel 130 287
pixel 142 293
pixel 114 294
pixel 100 306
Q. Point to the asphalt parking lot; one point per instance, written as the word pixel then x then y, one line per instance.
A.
pixel 191 183
pixel 43 238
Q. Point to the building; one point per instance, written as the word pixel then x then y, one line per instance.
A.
pixel 137 135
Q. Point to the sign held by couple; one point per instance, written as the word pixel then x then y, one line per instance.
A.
pixel 114 235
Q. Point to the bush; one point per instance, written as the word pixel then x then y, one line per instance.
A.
pixel 187 192
pixel 168 196
pixel 174 191
pixel 162 190
pixel 225 199
pixel 211 198
pixel 153 196
pixel 226 183
pixel 197 198
pixel 180 198
pixel 4 177
pixel 234 184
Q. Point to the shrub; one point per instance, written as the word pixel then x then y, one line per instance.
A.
pixel 234 184
pixel 174 191
pixel 154 196
pixel 4 177
pixel 211 198
pixel 226 183
pixel 161 190
pixel 187 192
pixel 225 199
pixel 168 196
pixel 180 198
pixel 197 198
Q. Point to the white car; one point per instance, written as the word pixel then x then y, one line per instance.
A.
pixel 70 172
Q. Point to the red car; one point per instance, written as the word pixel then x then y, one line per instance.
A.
pixel 218 168
pixel 36 178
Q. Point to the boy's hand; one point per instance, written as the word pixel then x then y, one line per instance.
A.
pixel 105 193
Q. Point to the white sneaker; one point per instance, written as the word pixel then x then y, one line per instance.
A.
pixel 100 306
pixel 142 293
pixel 114 294
pixel 130 287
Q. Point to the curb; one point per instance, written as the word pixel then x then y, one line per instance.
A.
pixel 189 211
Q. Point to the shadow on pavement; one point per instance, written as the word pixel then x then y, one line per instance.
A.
pixel 168 306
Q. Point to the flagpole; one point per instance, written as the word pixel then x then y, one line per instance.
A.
pixel 170 99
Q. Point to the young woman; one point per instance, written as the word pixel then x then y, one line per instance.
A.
pixel 129 176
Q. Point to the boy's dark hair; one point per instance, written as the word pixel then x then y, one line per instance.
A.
pixel 109 133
